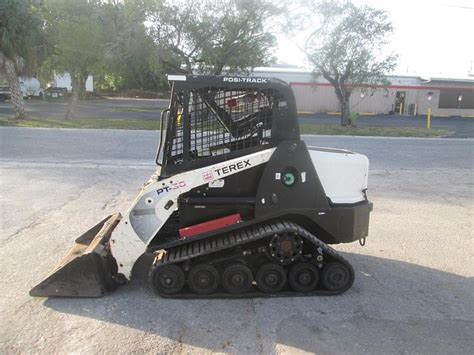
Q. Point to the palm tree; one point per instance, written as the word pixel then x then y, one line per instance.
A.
pixel 20 38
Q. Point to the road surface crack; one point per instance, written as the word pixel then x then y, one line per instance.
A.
pixel 19 231
pixel 112 202
pixel 258 336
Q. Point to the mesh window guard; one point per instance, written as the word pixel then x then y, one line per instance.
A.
pixel 222 120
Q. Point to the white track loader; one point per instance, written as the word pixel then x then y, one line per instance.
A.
pixel 238 206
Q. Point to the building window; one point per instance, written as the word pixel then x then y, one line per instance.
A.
pixel 456 99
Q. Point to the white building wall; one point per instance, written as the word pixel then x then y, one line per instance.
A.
pixel 318 96
pixel 322 98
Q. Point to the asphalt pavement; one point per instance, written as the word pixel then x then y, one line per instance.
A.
pixel 139 147
pixel 461 127
pixel 414 288
pixel 149 109
pixel 95 108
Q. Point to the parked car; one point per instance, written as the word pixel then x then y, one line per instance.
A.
pixel 30 87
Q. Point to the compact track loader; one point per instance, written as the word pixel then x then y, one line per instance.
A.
pixel 239 206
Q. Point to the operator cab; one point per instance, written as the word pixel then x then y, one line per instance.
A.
pixel 212 119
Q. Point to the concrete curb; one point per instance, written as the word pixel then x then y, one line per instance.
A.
pixel 392 138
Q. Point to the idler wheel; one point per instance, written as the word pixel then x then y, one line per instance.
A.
pixel 271 278
pixel 303 277
pixel 168 279
pixel 237 278
pixel 336 276
pixel 203 279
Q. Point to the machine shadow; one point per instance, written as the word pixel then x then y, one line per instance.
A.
pixel 390 304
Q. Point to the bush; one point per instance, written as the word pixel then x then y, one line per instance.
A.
pixel 353 118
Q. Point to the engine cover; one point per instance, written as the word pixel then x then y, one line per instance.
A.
pixel 343 174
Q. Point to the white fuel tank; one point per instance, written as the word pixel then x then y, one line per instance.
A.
pixel 343 174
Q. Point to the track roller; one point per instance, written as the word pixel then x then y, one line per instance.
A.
pixel 203 279
pixel 271 278
pixel 303 277
pixel 237 278
pixel 167 279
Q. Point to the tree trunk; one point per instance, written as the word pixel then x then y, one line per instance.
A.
pixel 15 88
pixel 218 69
pixel 343 95
pixel 78 90
pixel 345 112
pixel 343 98
pixel 81 80
pixel 73 101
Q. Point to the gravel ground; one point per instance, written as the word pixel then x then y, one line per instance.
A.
pixel 414 289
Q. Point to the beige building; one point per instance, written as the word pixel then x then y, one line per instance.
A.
pixel 406 95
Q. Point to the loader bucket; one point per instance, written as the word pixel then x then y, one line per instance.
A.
pixel 87 270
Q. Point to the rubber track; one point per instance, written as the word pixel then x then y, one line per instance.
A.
pixel 240 237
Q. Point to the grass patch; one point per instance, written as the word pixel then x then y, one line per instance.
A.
pixel 130 123
pixel 373 131
pixel 89 122
pixel 136 109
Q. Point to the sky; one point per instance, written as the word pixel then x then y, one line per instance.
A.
pixel 432 37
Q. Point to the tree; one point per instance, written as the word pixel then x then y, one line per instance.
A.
pixel 347 48
pixel 22 42
pixel 77 32
pixel 208 36
pixel 131 56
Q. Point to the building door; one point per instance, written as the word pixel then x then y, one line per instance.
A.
pixel 400 102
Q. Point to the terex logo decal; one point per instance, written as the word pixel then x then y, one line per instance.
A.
pixel 208 175
pixel 173 186
pixel 233 167
pixel 244 80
